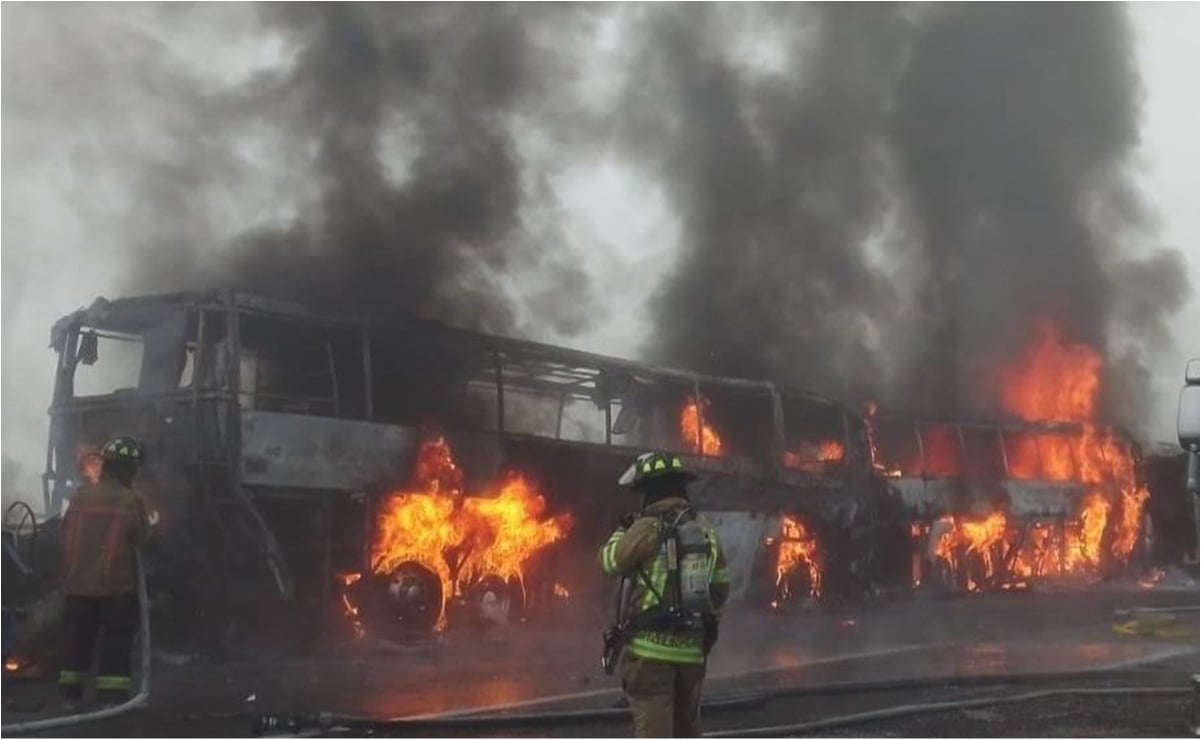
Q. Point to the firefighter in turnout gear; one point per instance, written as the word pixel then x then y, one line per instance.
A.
pixel 102 529
pixel 675 582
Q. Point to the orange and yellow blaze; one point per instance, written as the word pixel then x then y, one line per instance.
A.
pixel 964 538
pixel 1024 551
pixel 1082 550
pixel 505 531
pixel 798 549
pixel 1056 380
pixel 698 435
pixel 1039 555
pixel 462 539
pixel 1053 380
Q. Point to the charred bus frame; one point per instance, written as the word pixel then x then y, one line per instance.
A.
pixel 272 428
pixel 255 409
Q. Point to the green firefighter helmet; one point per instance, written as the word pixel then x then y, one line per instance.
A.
pixel 654 465
pixel 123 449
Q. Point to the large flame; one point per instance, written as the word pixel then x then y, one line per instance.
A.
pixel 994 551
pixel 505 531
pixel 798 549
pixel 1053 381
pixel 981 540
pixel 462 539
pixel 698 435
pixel 1056 380
pixel 1126 533
pixel 1083 547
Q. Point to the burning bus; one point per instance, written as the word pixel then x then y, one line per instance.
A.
pixel 297 454
pixel 408 475
pixel 1051 493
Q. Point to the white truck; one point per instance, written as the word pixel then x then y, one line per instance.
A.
pixel 1188 428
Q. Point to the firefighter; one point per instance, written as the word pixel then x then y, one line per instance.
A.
pixel 678 582
pixel 101 533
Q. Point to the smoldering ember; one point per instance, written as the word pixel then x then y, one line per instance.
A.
pixel 333 387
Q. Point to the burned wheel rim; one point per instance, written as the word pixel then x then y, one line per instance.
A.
pixel 494 600
pixel 21 524
pixel 405 601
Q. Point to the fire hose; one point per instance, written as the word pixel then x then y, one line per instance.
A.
pixel 910 710
pixel 138 700
pixel 330 722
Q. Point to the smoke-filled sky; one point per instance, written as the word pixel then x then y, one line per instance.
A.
pixel 867 200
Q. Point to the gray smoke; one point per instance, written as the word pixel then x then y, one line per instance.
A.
pixel 875 200
pixel 780 180
pixel 994 139
pixel 1014 131
pixel 439 236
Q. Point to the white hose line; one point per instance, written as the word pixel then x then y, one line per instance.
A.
pixel 910 710
pixel 616 692
pixel 138 700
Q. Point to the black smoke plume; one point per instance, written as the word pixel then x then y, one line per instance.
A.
pixel 440 241
pixel 875 200
pixel 994 139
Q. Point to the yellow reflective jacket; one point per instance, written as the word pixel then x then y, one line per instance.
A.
pixel 638 554
pixel 103 527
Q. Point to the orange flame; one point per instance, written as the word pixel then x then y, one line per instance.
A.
pixel 815 458
pixel 941 451
pixel 965 538
pixel 698 435
pixel 1040 554
pixel 1055 380
pixel 12 665
pixel 561 591
pixel 1083 548
pixel 994 551
pixel 798 548
pixel 1127 531
pixel 462 539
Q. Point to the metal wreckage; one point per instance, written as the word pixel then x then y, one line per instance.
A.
pixel 402 477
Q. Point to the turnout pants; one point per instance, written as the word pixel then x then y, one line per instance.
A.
pixel 103 624
pixel 664 698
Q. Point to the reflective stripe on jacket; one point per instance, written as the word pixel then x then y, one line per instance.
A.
pixel 639 550
pixel 103 527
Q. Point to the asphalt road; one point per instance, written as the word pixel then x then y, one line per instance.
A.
pixel 553 667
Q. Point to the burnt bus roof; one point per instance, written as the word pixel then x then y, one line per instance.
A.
pixel 132 315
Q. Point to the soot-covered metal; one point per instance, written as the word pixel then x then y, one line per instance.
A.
pixel 278 436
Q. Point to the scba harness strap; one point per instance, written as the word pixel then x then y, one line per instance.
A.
pixel 668 613
pixel 668 627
